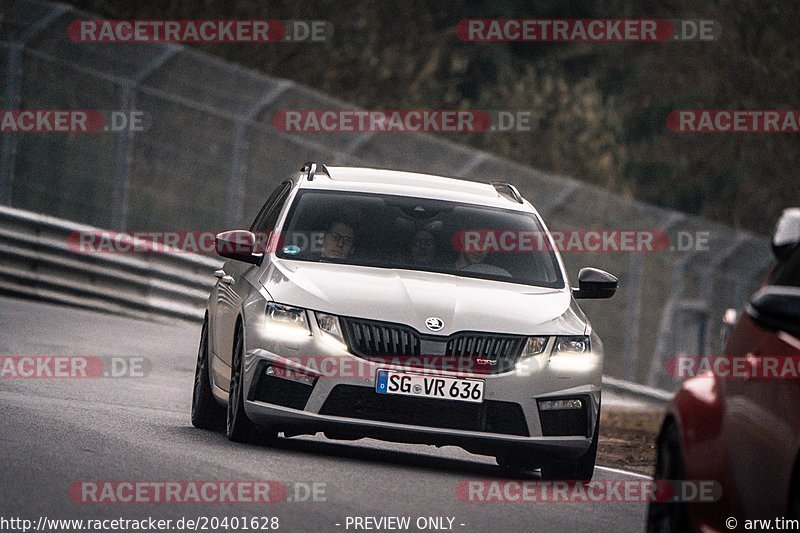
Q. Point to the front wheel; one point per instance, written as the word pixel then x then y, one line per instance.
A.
pixel 207 413
pixel 239 428
pixel 582 469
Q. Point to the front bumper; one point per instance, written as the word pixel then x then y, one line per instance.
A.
pixel 345 404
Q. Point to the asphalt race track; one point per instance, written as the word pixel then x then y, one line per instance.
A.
pixel 56 432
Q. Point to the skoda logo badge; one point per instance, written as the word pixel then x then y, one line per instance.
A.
pixel 434 324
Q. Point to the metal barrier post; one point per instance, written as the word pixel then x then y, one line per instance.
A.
pixel 12 96
pixel 236 183
pixel 124 152
pixel 633 284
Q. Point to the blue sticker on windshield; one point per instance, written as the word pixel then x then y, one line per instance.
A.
pixel 291 249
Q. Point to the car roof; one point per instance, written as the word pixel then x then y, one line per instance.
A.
pixel 401 183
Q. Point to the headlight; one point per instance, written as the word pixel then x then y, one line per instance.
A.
pixel 330 325
pixel 534 346
pixel 573 354
pixel 572 345
pixel 285 320
pixel 528 364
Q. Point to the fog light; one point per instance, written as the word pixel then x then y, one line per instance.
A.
pixel 553 405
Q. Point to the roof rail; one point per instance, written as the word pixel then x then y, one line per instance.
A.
pixel 311 168
pixel 507 190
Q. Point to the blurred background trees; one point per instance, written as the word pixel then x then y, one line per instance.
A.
pixel 600 109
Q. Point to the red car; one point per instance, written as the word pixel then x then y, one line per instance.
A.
pixel 741 427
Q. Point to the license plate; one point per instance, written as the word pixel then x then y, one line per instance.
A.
pixel 444 388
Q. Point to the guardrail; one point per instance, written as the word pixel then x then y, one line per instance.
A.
pixel 627 389
pixel 37 261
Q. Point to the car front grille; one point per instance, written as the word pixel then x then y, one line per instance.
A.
pixel 503 349
pixel 367 338
pixel 364 403
pixel 476 352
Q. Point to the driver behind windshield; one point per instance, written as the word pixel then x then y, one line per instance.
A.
pixel 338 241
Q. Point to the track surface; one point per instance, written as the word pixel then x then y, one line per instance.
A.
pixel 59 431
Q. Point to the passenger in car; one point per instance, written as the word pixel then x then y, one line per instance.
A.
pixel 474 261
pixel 466 259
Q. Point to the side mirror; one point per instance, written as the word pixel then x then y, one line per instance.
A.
pixel 787 234
pixel 595 283
pixel 239 245
pixel 777 307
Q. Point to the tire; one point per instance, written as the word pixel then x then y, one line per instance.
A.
pixel 580 470
pixel 239 428
pixel 668 516
pixel 207 413
pixel 793 507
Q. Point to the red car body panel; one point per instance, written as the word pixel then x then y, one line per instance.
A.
pixel 743 433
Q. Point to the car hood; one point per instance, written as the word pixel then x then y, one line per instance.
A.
pixel 410 297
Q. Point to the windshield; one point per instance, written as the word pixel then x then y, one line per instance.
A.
pixel 402 232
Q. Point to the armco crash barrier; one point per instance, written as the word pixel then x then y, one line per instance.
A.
pixel 36 260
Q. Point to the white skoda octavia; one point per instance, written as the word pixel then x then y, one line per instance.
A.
pixel 404 307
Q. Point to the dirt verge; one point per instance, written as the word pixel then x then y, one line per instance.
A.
pixel 628 438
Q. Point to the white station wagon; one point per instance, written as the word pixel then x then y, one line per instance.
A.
pixel 403 307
